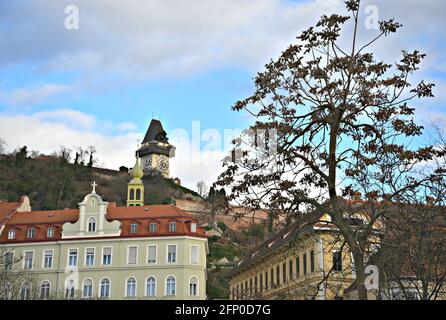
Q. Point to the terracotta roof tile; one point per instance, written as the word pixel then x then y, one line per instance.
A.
pixel 144 212
pixel 6 208
pixel 37 217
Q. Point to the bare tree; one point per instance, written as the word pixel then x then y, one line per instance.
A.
pixel 2 146
pixel 343 125
pixel 201 188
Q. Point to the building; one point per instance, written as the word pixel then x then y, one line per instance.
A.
pixel 135 188
pixel 101 251
pixel 155 151
pixel 293 264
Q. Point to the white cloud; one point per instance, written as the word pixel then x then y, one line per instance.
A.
pixel 30 96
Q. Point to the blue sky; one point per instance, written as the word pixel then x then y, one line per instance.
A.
pixel 181 61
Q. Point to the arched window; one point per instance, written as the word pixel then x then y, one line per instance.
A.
pixel 132 194
pixel 45 290
pixel 70 290
pixel 25 291
pixel 131 287
pixel 5 291
pixel 105 288
pixel 91 224
pixel 87 291
pixel 170 286
pixel 193 286
pixel 151 287
pixel 138 194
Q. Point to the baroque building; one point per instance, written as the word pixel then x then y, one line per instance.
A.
pixel 102 251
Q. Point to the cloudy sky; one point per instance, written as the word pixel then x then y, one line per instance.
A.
pixel 185 62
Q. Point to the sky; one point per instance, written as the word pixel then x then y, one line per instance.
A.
pixel 183 62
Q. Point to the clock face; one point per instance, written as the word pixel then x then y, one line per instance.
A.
pixel 163 163
pixel 147 163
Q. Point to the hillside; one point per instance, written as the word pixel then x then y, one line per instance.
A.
pixel 53 183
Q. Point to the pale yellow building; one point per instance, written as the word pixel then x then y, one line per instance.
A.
pixel 294 263
pixel 101 251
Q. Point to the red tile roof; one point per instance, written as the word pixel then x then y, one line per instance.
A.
pixel 145 212
pixel 7 208
pixel 46 217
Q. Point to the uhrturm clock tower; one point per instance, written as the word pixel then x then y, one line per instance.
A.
pixel 155 151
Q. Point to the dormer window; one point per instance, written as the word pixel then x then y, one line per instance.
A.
pixel 30 233
pixel 193 227
pixel 11 234
pixel 152 227
pixel 133 228
pixel 91 224
pixel 50 232
pixel 172 226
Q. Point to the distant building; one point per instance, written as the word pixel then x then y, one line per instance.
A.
pixel 293 263
pixel 101 251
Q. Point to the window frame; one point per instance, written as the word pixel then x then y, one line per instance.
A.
pixel 128 255
pixel 126 289
pixel 49 290
pixel 174 287
pixel 198 254
pixel 100 288
pixel 172 223
pixel 197 293
pixel 148 251
pixel 146 283
pixel 94 224
pixel 48 235
pixel 167 254
pixel 68 258
pixel 43 258
pixel 32 260
pixel 83 288
pixel 13 232
pixel 86 255
pixel 111 256
pixel 31 229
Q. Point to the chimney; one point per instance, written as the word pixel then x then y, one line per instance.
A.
pixel 25 205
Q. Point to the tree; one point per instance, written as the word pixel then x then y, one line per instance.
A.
pixel 201 188
pixel 91 150
pixel 2 146
pixel 343 124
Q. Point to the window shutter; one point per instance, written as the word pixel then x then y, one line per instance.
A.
pixel 194 254
pixel 132 255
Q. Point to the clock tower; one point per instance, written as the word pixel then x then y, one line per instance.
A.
pixel 155 150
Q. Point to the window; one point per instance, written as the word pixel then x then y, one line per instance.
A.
pixel 266 281
pixel 138 194
pixel 312 261
pixel 87 291
pixel 132 255
pixel 278 275
pixel 6 291
pixel 151 254
pixel 132 194
pixel 70 290
pixel 50 232
pixel 297 267
pixel 45 290
pixel 305 263
pixel 105 288
pixel 284 272
pixel 72 257
pixel 48 259
pixel 172 226
pixel 193 227
pixel 11 234
pixel 152 227
pixel 133 228
pixel 194 254
pixel 29 260
pixel 171 253
pixel 89 257
pixel 91 224
pixel 31 232
pixel 193 286
pixel 170 286
pixel 106 256
pixel 25 291
pixel 337 261
pixel 151 287
pixel 9 260
pixel 131 287
pixel 290 269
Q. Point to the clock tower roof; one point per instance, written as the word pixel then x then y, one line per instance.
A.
pixel 155 133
